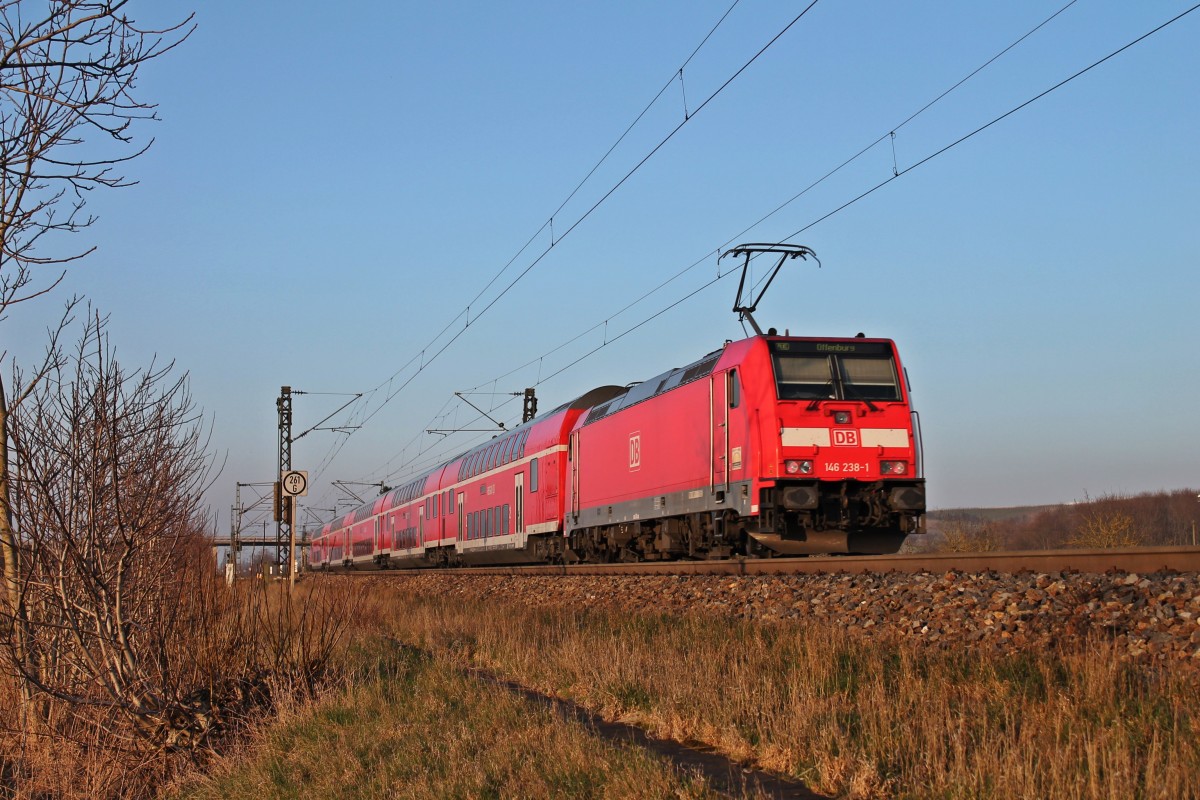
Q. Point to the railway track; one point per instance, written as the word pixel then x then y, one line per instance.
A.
pixel 1138 559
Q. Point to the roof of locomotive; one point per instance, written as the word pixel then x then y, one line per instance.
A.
pixel 701 368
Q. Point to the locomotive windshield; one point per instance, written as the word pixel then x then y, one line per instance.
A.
pixel 835 371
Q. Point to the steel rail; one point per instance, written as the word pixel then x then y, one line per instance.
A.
pixel 1130 560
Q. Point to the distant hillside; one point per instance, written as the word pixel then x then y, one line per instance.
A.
pixel 1006 514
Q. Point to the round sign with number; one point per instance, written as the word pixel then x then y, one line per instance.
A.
pixel 295 483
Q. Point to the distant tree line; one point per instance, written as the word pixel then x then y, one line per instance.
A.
pixel 1153 518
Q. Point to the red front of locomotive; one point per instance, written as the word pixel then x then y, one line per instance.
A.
pixel 842 467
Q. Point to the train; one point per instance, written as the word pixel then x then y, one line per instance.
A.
pixel 772 445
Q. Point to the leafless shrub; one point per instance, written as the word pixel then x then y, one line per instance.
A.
pixel 105 499
pixel 967 537
pixel 1101 528
pixel 130 645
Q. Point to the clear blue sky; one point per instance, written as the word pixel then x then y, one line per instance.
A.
pixel 331 185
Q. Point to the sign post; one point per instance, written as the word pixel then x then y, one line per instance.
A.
pixel 293 483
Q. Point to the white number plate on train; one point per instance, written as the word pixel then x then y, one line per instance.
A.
pixel 851 467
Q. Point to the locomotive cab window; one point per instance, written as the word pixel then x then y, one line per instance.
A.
pixel 804 372
pixel 804 377
pixel 869 379
pixel 734 389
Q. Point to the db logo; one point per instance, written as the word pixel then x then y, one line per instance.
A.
pixel 846 437
pixel 635 450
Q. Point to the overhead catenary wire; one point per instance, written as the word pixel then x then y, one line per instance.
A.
pixel 897 173
pixel 928 105
pixel 995 120
pixel 550 220
pixel 465 313
pixel 730 240
pixel 600 202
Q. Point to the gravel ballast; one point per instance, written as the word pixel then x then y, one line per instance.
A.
pixel 1152 619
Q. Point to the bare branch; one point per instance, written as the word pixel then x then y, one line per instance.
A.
pixel 68 108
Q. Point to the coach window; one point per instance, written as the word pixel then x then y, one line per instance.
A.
pixel 521 446
pixel 735 389
pixel 504 520
pixel 508 448
pixel 533 475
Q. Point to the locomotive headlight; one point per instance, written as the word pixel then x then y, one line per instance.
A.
pixel 841 417
pixel 893 467
pixel 794 467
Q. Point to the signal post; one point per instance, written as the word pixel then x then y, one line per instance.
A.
pixel 292 483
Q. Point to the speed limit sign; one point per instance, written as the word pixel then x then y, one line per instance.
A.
pixel 294 483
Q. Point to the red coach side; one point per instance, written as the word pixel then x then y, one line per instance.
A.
pixel 508 493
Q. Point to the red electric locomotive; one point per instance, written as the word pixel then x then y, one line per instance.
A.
pixel 770 445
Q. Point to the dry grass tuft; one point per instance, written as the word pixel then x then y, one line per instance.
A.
pixel 848 717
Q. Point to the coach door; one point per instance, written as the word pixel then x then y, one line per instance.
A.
pixel 519 506
pixel 573 456
pixel 462 518
pixel 718 393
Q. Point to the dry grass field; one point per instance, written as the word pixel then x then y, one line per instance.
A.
pixel 408 725
pixel 848 717
pixel 397 713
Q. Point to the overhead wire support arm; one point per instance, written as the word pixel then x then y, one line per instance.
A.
pixel 462 396
pixel 331 416
pixel 750 250
pixel 345 487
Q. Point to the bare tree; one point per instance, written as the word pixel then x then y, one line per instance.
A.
pixel 107 501
pixel 68 107
pixel 136 655
pixel 68 74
